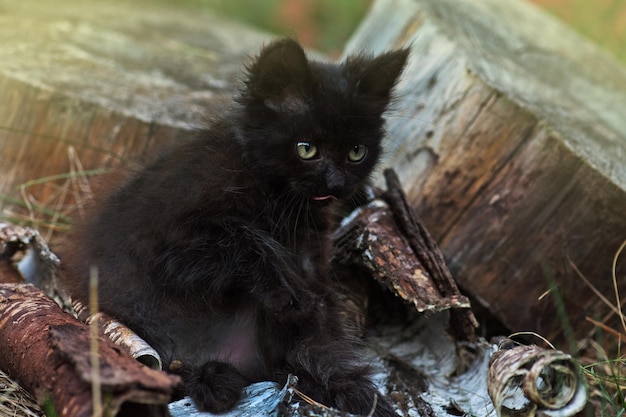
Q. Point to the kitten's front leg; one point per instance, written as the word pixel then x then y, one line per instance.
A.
pixel 282 288
pixel 281 292
pixel 327 361
pixel 230 257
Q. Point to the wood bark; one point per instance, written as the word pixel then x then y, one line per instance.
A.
pixel 121 335
pixel 551 382
pixel 509 137
pixel 48 352
pixel 389 241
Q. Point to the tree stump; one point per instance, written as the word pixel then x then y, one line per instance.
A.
pixel 510 138
pixel 96 84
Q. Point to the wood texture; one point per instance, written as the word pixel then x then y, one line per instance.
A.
pixel 116 81
pixel 462 322
pixel 388 241
pixel 48 352
pixel 510 138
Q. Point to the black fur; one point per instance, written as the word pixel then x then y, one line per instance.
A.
pixel 217 254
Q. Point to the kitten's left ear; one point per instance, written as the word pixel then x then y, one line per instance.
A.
pixel 376 76
pixel 280 76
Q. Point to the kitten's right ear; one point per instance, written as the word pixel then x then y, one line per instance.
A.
pixel 280 76
pixel 376 76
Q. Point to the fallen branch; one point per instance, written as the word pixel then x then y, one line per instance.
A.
pixel 48 352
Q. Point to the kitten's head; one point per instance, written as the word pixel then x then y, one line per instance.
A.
pixel 315 128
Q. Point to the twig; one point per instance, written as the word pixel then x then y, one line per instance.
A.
pixel 615 286
pixel 96 393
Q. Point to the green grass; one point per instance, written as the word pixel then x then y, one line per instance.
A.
pixel 607 382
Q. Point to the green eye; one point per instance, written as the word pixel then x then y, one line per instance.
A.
pixel 306 150
pixel 357 153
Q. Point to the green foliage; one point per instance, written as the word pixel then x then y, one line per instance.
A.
pixel 608 383
pixel 604 22
pixel 321 24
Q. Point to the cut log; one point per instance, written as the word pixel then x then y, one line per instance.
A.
pixel 116 81
pixel 510 139
pixel 49 353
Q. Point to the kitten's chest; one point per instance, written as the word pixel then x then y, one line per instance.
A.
pixel 305 234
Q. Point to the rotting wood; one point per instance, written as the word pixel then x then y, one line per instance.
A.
pixel 48 352
pixel 387 239
pixel 369 238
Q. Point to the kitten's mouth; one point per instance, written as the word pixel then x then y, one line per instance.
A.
pixel 329 197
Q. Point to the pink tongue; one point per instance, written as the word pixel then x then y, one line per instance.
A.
pixel 326 197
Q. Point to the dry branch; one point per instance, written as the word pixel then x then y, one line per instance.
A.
pixel 48 352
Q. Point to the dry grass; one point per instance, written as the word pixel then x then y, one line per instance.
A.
pixel 65 197
pixel 52 216
pixel 604 363
pixel 15 401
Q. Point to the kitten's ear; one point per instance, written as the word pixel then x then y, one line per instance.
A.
pixel 280 76
pixel 376 76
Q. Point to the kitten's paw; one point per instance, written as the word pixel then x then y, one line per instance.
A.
pixel 352 393
pixel 215 387
pixel 359 397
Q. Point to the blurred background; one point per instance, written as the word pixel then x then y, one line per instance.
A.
pixel 327 24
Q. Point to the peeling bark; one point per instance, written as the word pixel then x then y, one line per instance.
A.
pixel 462 322
pixel 389 240
pixel 48 352
pixel 530 380
pixel 121 335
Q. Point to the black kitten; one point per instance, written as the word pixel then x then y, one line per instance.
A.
pixel 218 253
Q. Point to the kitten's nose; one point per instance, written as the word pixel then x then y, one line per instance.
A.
pixel 335 180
